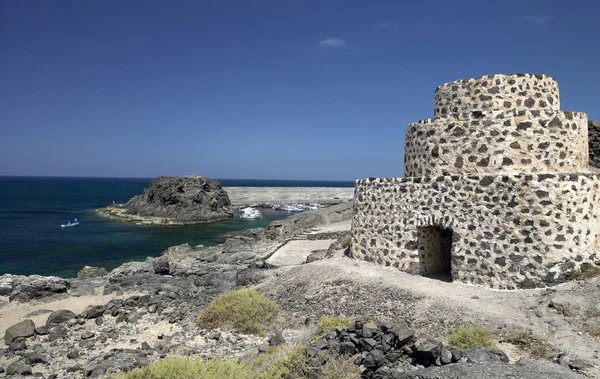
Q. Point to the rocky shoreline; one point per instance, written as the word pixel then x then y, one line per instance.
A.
pixel 106 322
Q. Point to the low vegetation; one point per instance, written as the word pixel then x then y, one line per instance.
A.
pixel 536 347
pixel 273 364
pixel 345 242
pixel 467 337
pixel 585 273
pixel 245 310
pixel 189 368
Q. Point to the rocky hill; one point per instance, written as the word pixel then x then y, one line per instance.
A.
pixel 177 200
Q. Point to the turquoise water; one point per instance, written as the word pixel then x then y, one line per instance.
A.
pixel 32 209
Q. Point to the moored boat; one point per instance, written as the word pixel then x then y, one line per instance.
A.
pixel 69 224
pixel 250 213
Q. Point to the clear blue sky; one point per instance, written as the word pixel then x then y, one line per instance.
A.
pixel 264 89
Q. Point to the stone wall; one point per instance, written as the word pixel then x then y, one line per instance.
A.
pixel 497 141
pixel 594 143
pixel 497 92
pixel 498 189
pixel 509 231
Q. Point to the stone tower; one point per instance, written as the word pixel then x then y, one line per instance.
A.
pixel 497 189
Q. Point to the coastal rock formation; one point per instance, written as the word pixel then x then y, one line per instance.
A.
pixel 178 200
pixel 498 190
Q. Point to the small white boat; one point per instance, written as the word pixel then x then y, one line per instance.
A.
pixel 250 213
pixel 69 224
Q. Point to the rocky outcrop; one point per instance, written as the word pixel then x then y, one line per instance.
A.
pixel 91 272
pixel 25 288
pixel 176 200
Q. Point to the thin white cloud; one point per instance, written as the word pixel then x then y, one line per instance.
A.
pixel 539 19
pixel 333 43
pixel 389 24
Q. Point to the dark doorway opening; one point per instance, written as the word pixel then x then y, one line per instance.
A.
pixel 435 246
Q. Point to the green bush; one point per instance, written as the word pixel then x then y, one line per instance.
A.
pixel 345 242
pixel 188 368
pixel 245 310
pixel 273 364
pixel 464 338
pixel 291 366
pixel 585 273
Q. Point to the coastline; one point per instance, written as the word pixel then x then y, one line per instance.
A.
pixel 243 196
pixel 276 195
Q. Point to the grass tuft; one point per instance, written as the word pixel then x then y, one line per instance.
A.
pixel 188 368
pixel 345 242
pixel 465 338
pixel 536 347
pixel 245 310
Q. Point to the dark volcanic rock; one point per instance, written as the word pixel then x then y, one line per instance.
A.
pixel 182 199
pixel 23 329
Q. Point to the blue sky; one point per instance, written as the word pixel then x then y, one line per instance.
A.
pixel 263 89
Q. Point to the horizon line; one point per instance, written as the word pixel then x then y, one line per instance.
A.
pixel 149 177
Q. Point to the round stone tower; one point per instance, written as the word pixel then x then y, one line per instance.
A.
pixel 497 189
pixel 497 124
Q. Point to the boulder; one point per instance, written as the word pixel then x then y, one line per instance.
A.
pixel 161 265
pixel 23 329
pixel 91 272
pixel 93 311
pixel 182 199
pixel 59 317
pixel 316 255
pixel 276 338
pixel 26 288
pixel 18 368
pixel 7 283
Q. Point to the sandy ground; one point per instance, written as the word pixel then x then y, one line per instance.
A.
pixel 276 195
pixel 295 252
pixel 12 313
pixel 342 226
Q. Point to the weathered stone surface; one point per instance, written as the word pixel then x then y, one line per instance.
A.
pixel 23 329
pixel 182 200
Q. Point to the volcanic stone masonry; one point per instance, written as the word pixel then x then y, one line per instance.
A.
pixel 498 190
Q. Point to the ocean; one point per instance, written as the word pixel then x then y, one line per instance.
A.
pixel 32 209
